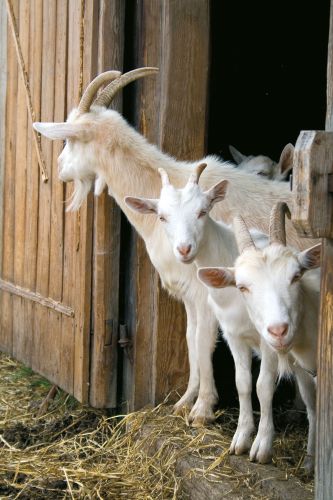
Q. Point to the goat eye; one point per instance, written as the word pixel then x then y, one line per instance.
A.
pixel 297 277
pixel 242 288
pixel 202 214
pixel 162 219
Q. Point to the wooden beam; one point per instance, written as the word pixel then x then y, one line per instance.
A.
pixel 19 291
pixel 312 212
pixel 324 445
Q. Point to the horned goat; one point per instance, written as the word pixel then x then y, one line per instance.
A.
pixel 282 299
pixel 195 236
pixel 102 147
pixel 265 166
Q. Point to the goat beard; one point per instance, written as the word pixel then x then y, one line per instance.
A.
pixel 81 190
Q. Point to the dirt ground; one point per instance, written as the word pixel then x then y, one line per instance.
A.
pixel 74 451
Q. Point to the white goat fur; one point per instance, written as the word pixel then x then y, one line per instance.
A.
pixel 275 293
pixel 102 147
pixel 263 165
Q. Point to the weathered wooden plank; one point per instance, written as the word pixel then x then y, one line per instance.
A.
pixel 63 339
pixel 324 447
pixel 106 246
pixel 83 244
pixel 73 69
pixel 44 359
pixel 24 293
pixel 183 117
pixel 32 174
pixel 19 338
pixel 312 212
pixel 324 444
pixel 8 201
pixel 141 277
pixel 3 90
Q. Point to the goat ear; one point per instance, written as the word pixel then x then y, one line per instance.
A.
pixel 142 205
pixel 217 193
pixel 286 160
pixel 217 277
pixel 237 155
pixel 310 258
pixel 62 131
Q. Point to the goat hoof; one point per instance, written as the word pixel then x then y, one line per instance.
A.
pixel 261 451
pixel 241 442
pixel 181 410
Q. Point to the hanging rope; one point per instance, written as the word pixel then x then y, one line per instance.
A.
pixel 24 74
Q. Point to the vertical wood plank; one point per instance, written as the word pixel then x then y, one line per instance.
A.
pixel 63 340
pixel 32 175
pixel 19 335
pixel 9 193
pixel 139 378
pixel 106 246
pixel 171 112
pixel 3 90
pixel 324 444
pixel 83 242
pixel 183 120
pixel 45 359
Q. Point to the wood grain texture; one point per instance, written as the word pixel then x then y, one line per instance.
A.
pixel 312 212
pixel 171 112
pixel 182 131
pixel 106 245
pixel 324 444
pixel 324 447
pixel 19 338
pixel 3 90
pixel 6 342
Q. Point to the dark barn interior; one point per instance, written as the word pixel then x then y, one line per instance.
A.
pixel 267 83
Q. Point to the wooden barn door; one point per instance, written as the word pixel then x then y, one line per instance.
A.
pixel 47 285
pixel 171 111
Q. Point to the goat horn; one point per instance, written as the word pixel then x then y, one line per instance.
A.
pixel 164 177
pixel 93 87
pixel 277 223
pixel 242 234
pixel 106 96
pixel 195 176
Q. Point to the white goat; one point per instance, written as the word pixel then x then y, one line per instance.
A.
pixel 265 166
pixel 282 300
pixel 194 236
pixel 102 147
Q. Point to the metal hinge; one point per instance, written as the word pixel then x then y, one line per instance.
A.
pixel 125 342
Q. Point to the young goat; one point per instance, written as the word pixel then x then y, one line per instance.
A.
pixel 282 300
pixel 194 236
pixel 265 166
pixel 102 147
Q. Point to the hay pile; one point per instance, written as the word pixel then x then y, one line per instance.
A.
pixel 77 452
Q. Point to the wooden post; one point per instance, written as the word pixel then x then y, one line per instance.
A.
pixel 313 217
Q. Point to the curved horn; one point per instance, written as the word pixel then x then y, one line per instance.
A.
pixel 195 176
pixel 93 87
pixel 106 96
pixel 164 177
pixel 243 237
pixel 277 223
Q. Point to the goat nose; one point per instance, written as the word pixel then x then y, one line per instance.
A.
pixel 279 330
pixel 184 250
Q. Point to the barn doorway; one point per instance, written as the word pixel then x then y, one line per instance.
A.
pixel 267 83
